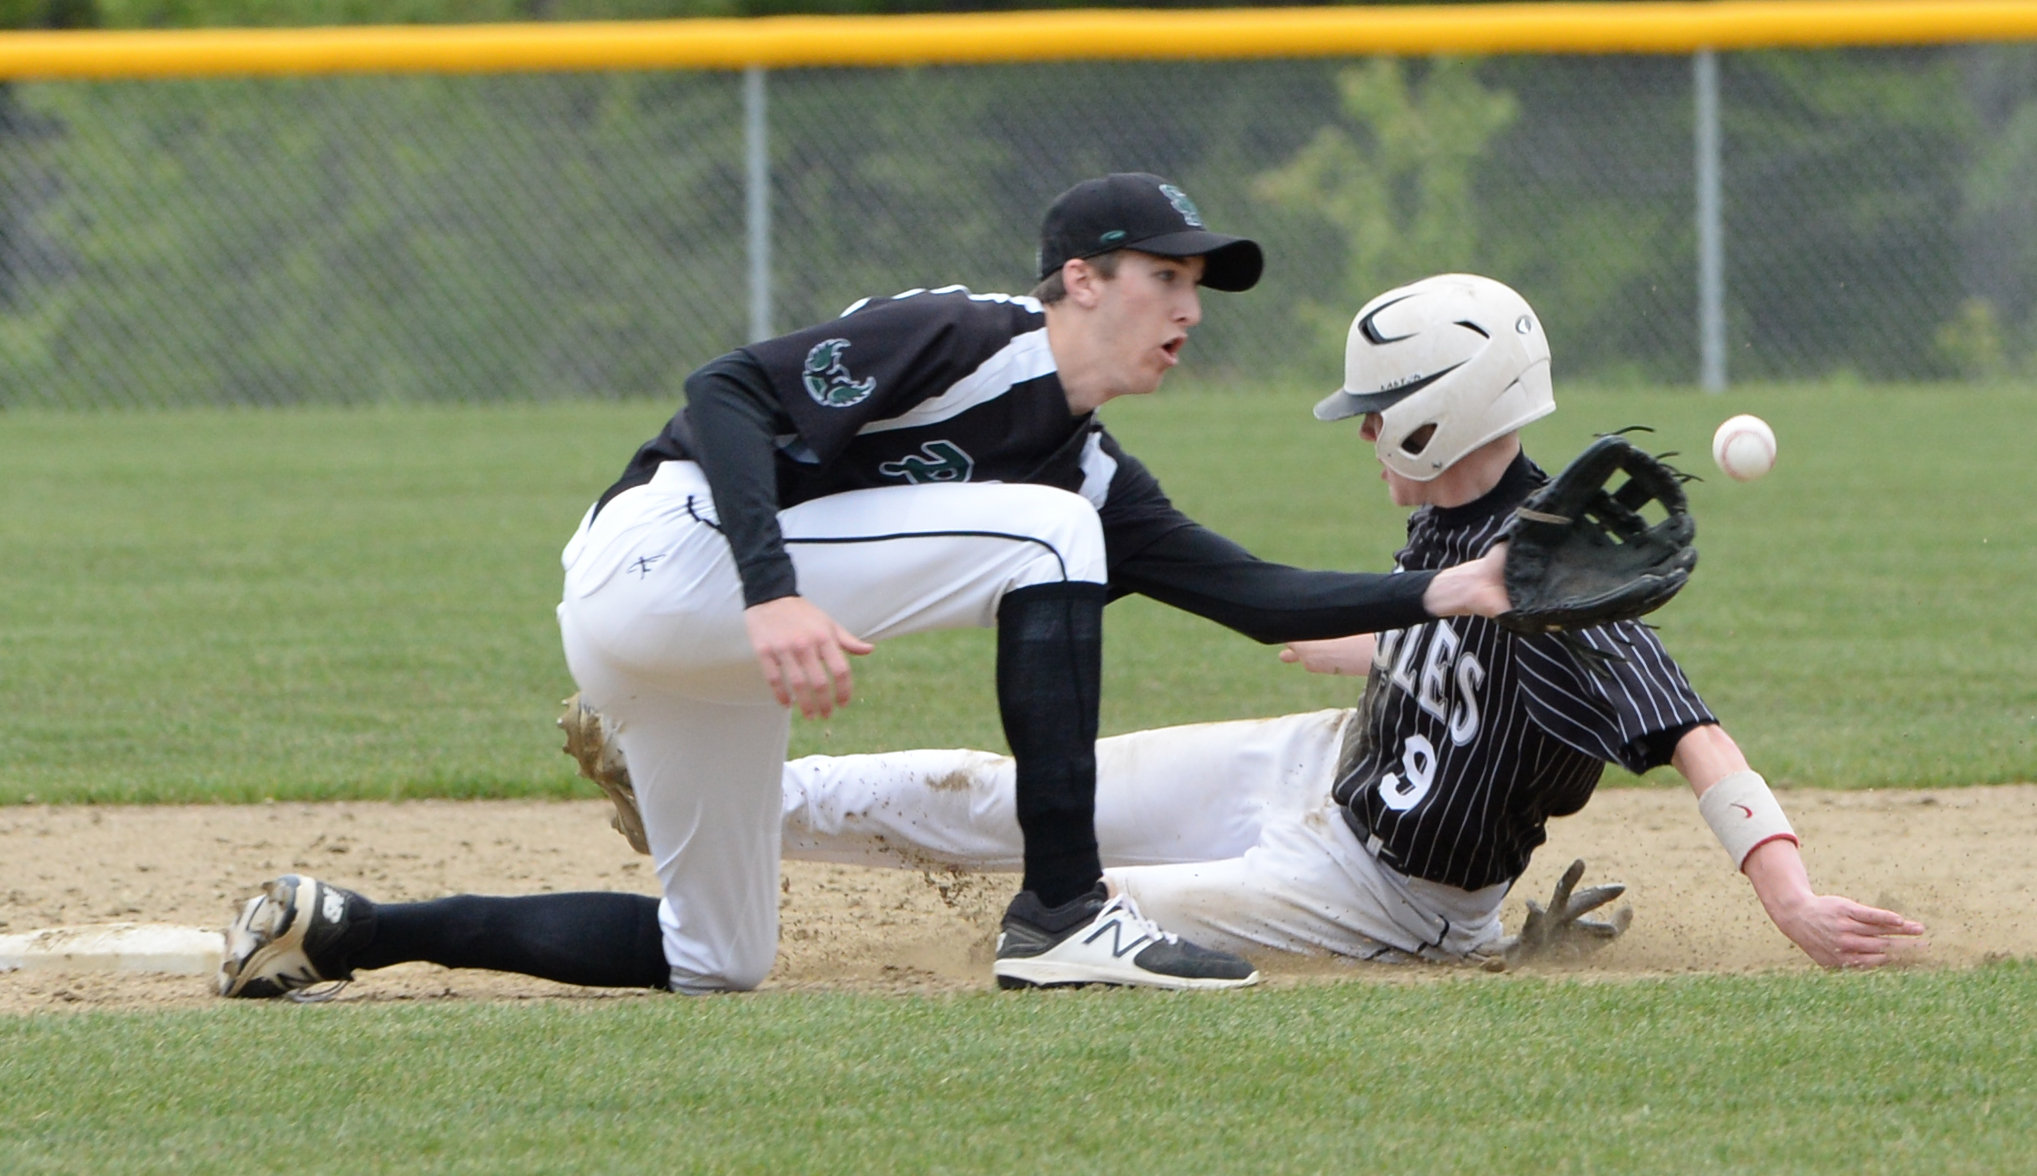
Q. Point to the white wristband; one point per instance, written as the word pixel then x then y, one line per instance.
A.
pixel 1744 814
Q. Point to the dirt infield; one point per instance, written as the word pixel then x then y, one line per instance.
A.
pixel 1961 860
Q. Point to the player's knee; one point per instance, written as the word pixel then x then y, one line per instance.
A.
pixel 747 978
pixel 1069 535
pixel 718 955
pixel 736 976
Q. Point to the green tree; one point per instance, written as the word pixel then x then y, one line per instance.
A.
pixel 419 238
pixel 1843 190
pixel 1395 178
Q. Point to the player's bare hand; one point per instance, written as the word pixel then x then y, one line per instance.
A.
pixel 1835 931
pixel 1351 656
pixel 1560 931
pixel 1475 589
pixel 1840 933
pixel 802 653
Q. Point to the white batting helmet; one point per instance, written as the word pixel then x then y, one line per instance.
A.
pixel 1457 351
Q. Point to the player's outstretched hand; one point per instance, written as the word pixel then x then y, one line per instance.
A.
pixel 1475 589
pixel 1840 933
pixel 1560 931
pixel 1351 656
pixel 800 649
pixel 1836 932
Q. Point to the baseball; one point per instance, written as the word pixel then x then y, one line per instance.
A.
pixel 1744 447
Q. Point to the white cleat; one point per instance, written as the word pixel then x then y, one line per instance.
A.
pixel 1097 939
pixel 296 933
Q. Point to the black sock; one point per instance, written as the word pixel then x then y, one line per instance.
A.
pixel 595 938
pixel 1049 676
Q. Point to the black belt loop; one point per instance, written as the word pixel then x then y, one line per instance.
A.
pixel 1359 826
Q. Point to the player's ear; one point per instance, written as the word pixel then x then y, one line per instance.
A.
pixel 1083 281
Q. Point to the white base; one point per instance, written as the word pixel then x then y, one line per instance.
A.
pixel 115 947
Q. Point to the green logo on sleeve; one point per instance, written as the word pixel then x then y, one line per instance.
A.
pixel 828 380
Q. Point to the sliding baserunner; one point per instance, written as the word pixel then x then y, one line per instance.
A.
pixel 1395 829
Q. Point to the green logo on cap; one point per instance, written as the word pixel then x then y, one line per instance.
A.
pixel 1183 205
pixel 1112 237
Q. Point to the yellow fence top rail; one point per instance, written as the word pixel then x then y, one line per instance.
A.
pixel 1210 34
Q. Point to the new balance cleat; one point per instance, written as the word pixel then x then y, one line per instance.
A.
pixel 1097 939
pixel 297 933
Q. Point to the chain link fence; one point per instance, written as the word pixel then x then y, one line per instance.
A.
pixel 539 237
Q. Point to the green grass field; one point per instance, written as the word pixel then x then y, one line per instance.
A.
pixel 208 605
pixel 357 604
pixel 1920 1072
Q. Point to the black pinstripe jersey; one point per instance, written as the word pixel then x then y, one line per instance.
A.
pixel 1471 736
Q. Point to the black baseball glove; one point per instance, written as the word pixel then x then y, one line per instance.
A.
pixel 1579 554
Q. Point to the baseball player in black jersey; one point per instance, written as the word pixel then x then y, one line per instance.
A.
pixel 925 461
pixel 1393 830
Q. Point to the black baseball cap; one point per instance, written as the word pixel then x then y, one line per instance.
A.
pixel 1136 210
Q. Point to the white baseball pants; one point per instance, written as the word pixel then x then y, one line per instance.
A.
pixel 652 621
pixel 1224 833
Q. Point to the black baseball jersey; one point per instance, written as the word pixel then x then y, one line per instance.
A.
pixel 951 386
pixel 1472 736
pixel 927 386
